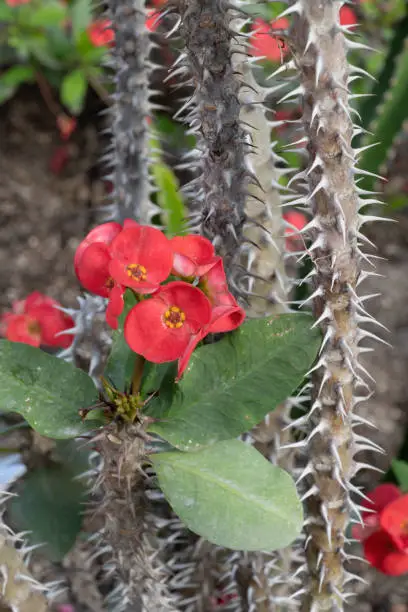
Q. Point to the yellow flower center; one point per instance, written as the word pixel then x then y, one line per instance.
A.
pixel 136 272
pixel 174 317
pixel 34 328
pixel 109 283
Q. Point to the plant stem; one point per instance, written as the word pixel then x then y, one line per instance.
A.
pixel 137 374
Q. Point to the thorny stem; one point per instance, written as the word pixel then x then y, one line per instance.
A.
pixel 214 115
pixel 320 55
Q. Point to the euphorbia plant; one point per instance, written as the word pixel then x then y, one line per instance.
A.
pixel 187 374
pixel 166 296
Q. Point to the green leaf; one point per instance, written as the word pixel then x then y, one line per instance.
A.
pixel 49 505
pixel 81 16
pixel 232 496
pixel 12 78
pixel 392 114
pixel 400 469
pixel 45 390
pixel 6 13
pixel 169 199
pixel 73 91
pixel 121 362
pixel 231 385
pixel 48 15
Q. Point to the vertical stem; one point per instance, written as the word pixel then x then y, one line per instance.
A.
pixel 215 118
pixel 137 374
pixel 130 110
pixel 320 55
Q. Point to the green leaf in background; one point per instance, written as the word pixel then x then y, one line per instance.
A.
pixel 48 14
pixel 169 199
pixel 45 390
pixel 231 385
pixel 391 115
pixel 400 469
pixel 12 78
pixel 6 13
pixel 215 493
pixel 121 362
pixel 73 91
pixel 81 16
pixel 50 505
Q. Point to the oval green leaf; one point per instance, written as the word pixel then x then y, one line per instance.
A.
pixel 73 90
pixel 45 390
pixel 50 505
pixel 231 385
pixel 232 496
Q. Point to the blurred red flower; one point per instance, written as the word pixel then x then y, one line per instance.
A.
pixel 161 328
pixel 384 532
pixel 101 33
pixel 17 2
pixel 66 125
pixel 263 41
pixel 37 321
pixel 298 221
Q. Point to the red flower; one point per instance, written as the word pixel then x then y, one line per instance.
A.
pixel 141 258
pixel 37 321
pixel 193 255
pixel 347 16
pixel 394 520
pixel 100 33
pixel 92 259
pixel 152 20
pixel 385 531
pixel 17 2
pixel 298 220
pixel 66 125
pixel 263 43
pixel 161 328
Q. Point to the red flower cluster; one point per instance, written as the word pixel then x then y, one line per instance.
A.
pixel 178 315
pixel 385 531
pixel 37 321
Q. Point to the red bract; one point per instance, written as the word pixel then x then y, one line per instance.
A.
pixel 263 43
pixel 226 315
pixel 37 321
pixel 385 531
pixel 193 255
pixel 100 33
pixel 293 240
pixel 161 328
pixel 141 258
pixel 92 259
